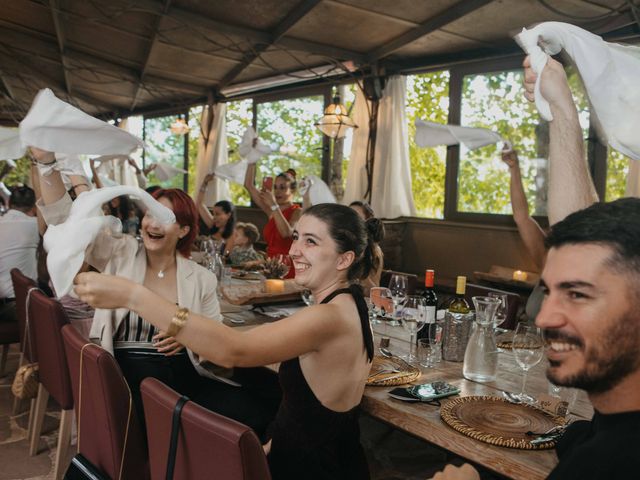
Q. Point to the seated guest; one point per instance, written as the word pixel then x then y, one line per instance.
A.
pixel 19 240
pixel 244 237
pixel 160 263
pixel 591 321
pixel 325 349
pixel 376 233
pixel 221 222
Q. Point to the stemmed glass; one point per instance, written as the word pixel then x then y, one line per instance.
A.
pixel 528 349
pixel 381 302
pixel 398 287
pixel 501 312
pixel 413 317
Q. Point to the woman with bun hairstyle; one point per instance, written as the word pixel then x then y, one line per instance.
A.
pixel 277 204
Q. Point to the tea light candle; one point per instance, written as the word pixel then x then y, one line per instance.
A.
pixel 273 285
pixel 520 276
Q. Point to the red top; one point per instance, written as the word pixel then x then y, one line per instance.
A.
pixel 277 245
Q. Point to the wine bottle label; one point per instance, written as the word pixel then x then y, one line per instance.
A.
pixel 430 314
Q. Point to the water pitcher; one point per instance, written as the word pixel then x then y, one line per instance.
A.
pixel 481 355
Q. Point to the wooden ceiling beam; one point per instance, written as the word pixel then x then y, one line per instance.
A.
pixel 54 6
pixel 293 17
pixel 147 57
pixel 451 14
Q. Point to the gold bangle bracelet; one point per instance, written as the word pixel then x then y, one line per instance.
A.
pixel 178 321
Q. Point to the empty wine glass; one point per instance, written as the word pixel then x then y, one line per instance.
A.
pixel 398 287
pixel 528 349
pixel 307 297
pixel 413 317
pixel 501 313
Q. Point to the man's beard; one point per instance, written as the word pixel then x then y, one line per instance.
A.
pixel 614 356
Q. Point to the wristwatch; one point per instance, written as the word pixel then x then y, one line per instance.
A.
pixel 274 207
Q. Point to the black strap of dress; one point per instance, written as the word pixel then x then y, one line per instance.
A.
pixel 363 312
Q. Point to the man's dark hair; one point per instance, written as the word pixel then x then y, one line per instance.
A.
pixel 22 198
pixel 614 224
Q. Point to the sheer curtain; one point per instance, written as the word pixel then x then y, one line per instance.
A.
pixel 633 180
pixel 212 151
pixel 391 189
pixel 356 185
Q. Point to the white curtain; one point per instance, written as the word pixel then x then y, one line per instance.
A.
pixel 633 180
pixel 391 189
pixel 213 152
pixel 356 185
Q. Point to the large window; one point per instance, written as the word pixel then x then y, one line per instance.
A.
pixel 617 171
pixel 166 148
pixel 427 99
pixel 288 126
pixel 239 118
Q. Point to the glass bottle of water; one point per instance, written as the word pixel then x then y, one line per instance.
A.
pixel 481 355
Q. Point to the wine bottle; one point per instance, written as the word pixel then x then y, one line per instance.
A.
pixel 458 304
pixel 431 303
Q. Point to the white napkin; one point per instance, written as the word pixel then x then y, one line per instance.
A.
pixel 233 172
pixel 66 242
pixel 56 126
pixel 165 171
pixel 609 71
pixel 10 145
pixel 430 134
pixel 319 192
pixel 248 151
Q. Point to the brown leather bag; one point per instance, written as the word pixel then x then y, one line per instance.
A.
pixel 25 384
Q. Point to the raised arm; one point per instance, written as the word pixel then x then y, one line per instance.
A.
pixel 256 195
pixel 530 232
pixel 306 331
pixel 204 212
pixel 570 185
pixel 94 173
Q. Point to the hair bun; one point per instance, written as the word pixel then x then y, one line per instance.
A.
pixel 291 172
pixel 375 229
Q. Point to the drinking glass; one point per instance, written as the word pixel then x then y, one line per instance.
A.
pixel 381 302
pixel 501 312
pixel 398 287
pixel 307 297
pixel 413 317
pixel 528 349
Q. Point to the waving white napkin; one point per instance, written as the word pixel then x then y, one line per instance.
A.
pixel 66 242
pixel 233 172
pixel 165 171
pixel 609 71
pixel 319 192
pixel 250 152
pixel 10 145
pixel 430 134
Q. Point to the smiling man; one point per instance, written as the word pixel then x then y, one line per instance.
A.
pixel 591 320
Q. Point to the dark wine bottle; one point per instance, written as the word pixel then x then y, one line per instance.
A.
pixel 431 303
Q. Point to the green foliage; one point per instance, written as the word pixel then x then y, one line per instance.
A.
pixel 617 171
pixel 427 99
pixel 239 118
pixel 166 147
pixel 19 175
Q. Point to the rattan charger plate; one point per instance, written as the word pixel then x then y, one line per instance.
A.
pixel 391 371
pixel 499 422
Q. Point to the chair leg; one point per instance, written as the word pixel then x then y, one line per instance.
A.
pixel 32 416
pixel 40 409
pixel 3 361
pixel 64 440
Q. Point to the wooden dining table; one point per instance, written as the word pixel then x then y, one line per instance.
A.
pixel 423 420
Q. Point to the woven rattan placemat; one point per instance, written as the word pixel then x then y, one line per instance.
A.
pixel 499 422
pixel 391 371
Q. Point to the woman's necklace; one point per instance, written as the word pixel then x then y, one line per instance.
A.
pixel 160 273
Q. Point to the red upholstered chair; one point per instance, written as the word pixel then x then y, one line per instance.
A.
pixel 8 334
pixel 46 319
pixel 209 445
pixel 109 433
pixel 513 299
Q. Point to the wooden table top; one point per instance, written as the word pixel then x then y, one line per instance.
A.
pixel 423 420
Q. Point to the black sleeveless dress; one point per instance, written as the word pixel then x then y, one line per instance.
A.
pixel 310 441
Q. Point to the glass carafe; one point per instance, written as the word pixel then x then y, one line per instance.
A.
pixel 481 355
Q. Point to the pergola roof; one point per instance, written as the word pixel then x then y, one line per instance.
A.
pixel 126 57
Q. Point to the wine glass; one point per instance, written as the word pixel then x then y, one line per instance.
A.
pixel 381 302
pixel 413 317
pixel 398 287
pixel 501 313
pixel 307 297
pixel 285 260
pixel 528 349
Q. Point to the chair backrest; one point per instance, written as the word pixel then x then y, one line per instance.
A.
pixel 46 319
pixel 109 433
pixel 209 445
pixel 514 302
pixel 412 280
pixel 21 285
